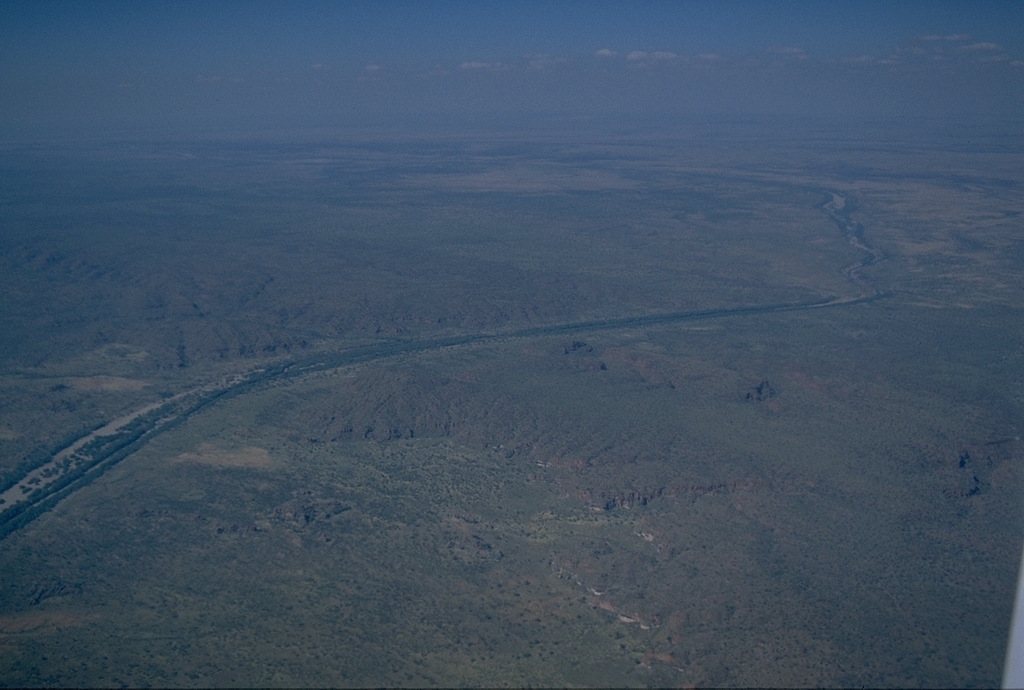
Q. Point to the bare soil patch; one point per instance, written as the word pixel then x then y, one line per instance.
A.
pixel 38 622
pixel 116 384
pixel 206 454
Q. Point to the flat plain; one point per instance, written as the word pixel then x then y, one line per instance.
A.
pixel 686 405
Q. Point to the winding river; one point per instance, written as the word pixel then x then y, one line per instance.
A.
pixel 71 468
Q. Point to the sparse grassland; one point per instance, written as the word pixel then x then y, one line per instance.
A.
pixel 817 497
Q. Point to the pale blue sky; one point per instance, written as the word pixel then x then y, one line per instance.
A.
pixel 76 65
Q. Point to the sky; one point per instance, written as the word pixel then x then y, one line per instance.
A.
pixel 80 66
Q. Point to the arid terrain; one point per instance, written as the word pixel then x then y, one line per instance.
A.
pixel 651 406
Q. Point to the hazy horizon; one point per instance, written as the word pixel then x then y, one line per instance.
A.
pixel 69 67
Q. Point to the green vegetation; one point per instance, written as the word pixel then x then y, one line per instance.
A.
pixel 441 428
pixel 40 456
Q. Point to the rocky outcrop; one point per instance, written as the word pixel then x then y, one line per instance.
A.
pixel 965 482
pixel 761 392
pixel 56 588
pixel 473 549
pixel 578 345
pixel 302 513
pixel 630 498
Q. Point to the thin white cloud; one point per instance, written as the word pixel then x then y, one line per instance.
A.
pixel 374 68
pixel 642 57
pixel 980 47
pixel 949 48
pixel 947 37
pixel 474 65
pixel 921 50
pixel 788 50
pixel 543 61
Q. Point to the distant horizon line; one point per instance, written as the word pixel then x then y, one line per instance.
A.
pixel 481 124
